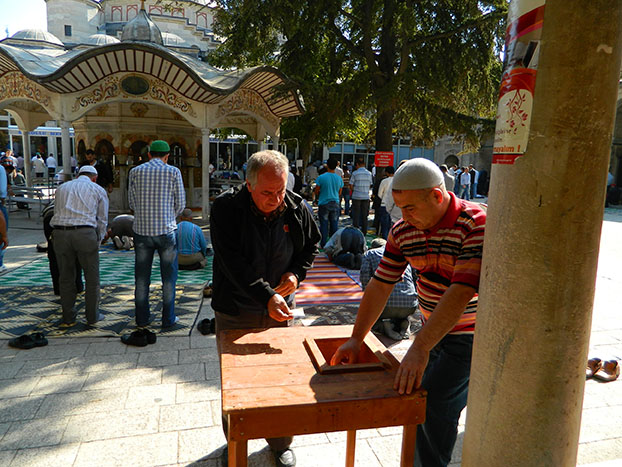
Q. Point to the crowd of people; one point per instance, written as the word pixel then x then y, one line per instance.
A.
pixel 424 267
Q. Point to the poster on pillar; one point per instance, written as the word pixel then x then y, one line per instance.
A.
pixel 522 47
pixel 383 158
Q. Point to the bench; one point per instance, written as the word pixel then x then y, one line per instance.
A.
pixel 32 195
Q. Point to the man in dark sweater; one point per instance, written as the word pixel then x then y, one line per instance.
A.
pixel 264 241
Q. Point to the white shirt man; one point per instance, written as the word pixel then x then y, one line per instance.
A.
pixel 50 162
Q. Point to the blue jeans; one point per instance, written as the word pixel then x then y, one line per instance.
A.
pixel 166 246
pixel 465 192
pixel 6 220
pixel 446 379
pixel 329 219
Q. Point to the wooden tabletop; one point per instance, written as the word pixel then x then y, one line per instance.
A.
pixel 271 388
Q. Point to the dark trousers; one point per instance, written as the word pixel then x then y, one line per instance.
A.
pixel 446 379
pixel 82 245
pixel 55 273
pixel 360 213
pixel 247 320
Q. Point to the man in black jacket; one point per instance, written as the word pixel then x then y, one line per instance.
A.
pixel 264 241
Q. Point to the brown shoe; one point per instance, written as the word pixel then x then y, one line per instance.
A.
pixel 593 365
pixel 610 371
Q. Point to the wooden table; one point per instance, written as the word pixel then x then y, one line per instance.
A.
pixel 270 389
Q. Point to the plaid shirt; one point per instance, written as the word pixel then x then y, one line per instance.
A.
pixel 157 197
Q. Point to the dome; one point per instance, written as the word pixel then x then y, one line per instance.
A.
pixel 141 28
pixel 101 39
pixel 38 35
pixel 173 40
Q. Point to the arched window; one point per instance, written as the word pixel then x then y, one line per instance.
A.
pixel 104 151
pixel 138 152
pixel 178 153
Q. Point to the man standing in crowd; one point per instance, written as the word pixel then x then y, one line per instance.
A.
pixel 156 195
pixel 328 190
pixel 361 181
pixel 50 163
pixel 441 237
pixel 79 222
pixel 449 179
pixel 474 180
pixel 4 198
pixel 104 171
pixel 39 166
pixel 465 184
pixel 264 242
pixel 383 215
pixel 191 243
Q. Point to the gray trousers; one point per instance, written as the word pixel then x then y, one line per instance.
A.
pixel 82 245
pixel 194 258
pixel 252 321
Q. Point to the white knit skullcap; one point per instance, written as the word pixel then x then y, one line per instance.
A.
pixel 417 174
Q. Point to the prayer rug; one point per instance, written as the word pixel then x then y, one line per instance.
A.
pixel 28 309
pixel 327 284
pixel 115 267
pixel 325 315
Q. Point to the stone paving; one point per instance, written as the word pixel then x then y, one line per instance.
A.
pixel 94 401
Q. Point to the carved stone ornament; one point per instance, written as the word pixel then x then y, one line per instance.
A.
pixel 107 89
pixel 160 91
pixel 249 101
pixel 16 85
pixel 138 109
pixel 102 110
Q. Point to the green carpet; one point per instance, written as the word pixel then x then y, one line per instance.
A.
pixel 115 267
pixel 35 308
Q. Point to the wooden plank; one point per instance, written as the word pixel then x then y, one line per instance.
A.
pixel 409 438
pixel 350 447
pixel 238 453
pixel 275 421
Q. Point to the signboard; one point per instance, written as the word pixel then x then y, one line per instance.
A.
pixel 383 158
pixel 522 47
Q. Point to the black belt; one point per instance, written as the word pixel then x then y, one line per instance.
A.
pixel 72 227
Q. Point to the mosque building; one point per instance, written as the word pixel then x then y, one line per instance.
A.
pixel 114 75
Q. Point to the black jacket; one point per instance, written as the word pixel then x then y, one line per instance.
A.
pixel 251 255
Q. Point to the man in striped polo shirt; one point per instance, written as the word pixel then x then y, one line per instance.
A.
pixel 441 237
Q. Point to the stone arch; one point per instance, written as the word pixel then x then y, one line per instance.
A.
pixel 452 159
pixel 138 152
pixel 178 154
pixel 104 150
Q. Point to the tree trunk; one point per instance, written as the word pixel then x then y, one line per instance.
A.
pixel 384 128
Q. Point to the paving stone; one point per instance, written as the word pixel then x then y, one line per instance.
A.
pixel 7 354
pixel 456 455
pixel 386 448
pixel 601 423
pixel 86 340
pixel 8 370
pixel 57 384
pixel 153 359
pixel 183 373
pixel 4 427
pixel 212 370
pixel 17 387
pixel 20 408
pixel 200 444
pixel 55 351
pixel 100 363
pixel 199 341
pixel 185 416
pixel 340 436
pixel 334 455
pixel 198 391
pixel 216 412
pixel 60 455
pixel 34 433
pixel 604 453
pixel 42 367
pixel 99 426
pixel 136 451
pixel 83 402
pixel 106 348
pixel 163 343
pixel 149 396
pixel 198 355
pixel 390 430
pixel 310 440
pixel 123 378
pixel 6 457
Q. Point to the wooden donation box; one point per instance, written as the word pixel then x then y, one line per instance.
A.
pixel 279 382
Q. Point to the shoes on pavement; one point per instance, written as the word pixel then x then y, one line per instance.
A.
pixel 610 371
pixel 593 366
pixel 284 458
pixel 151 336
pixel 207 326
pixel 137 338
pixel 126 242
pixel 118 244
pixel 3 268
pixel 28 341
pixel 168 326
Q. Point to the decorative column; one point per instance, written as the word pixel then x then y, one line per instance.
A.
pixel 66 149
pixel 541 250
pixel 205 173
pixel 27 157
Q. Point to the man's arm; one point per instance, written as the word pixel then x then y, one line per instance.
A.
pixel 102 216
pixel 444 317
pixel 179 197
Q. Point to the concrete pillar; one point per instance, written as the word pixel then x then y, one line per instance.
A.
pixel 28 173
pixel 205 173
pixel 541 250
pixel 275 143
pixel 66 149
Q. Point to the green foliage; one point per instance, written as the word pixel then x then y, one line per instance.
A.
pixel 421 68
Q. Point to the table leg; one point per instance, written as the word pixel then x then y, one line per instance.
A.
pixel 409 438
pixel 238 453
pixel 350 448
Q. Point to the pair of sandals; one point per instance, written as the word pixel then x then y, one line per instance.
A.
pixel 603 371
pixel 207 326
pixel 29 341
